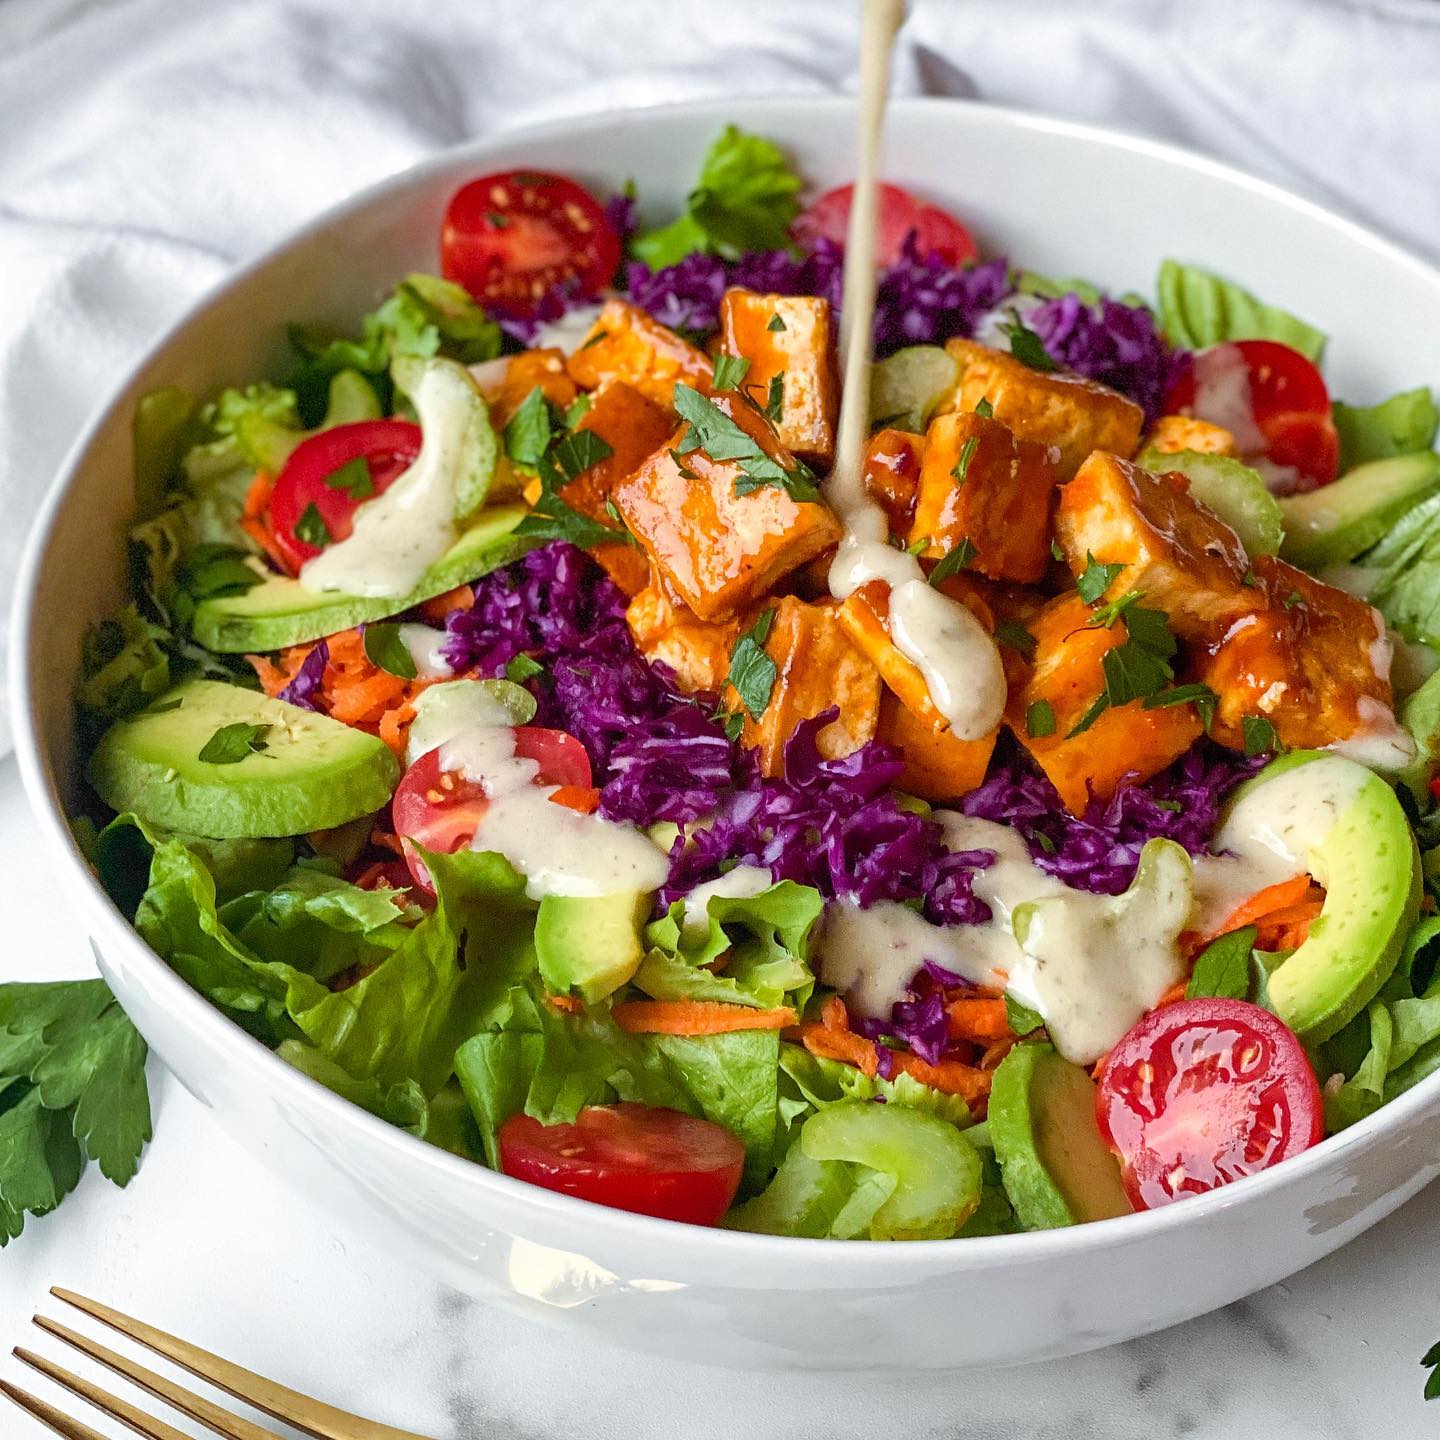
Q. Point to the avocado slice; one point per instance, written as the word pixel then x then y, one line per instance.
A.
pixel 1235 492
pixel 313 773
pixel 1347 829
pixel 280 611
pixel 1340 521
pixel 1054 1164
pixel 590 945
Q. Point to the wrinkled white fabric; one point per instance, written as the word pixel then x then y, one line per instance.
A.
pixel 148 145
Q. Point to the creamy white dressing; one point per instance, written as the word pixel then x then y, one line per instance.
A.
pixel 1381 742
pixel 567 332
pixel 993 327
pixel 737 884
pixel 425 642
pixel 557 850
pixel 446 711
pixel 1222 395
pixel 400 534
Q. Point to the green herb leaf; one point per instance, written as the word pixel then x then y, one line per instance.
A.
pixel 1039 719
pixel 1136 669
pixel 1096 578
pixel 354 478
pixel 954 561
pixel 527 435
pixel 1250 578
pixel 1431 1361
pixel 1202 697
pixel 1056 553
pixel 1259 735
pixel 1098 706
pixel 1017 637
pixel 710 429
pixel 521 668
pixel 212 570
pixel 985 410
pixel 1021 1018
pixel 385 647
pixel 734 725
pixel 1293 599
pixel 730 370
pixel 579 409
pixel 775 398
pixel 967 454
pixel 776 323
pixel 231 744
pixel 1105 616
pixel 552 519
pixel 576 452
pixel 915 548
pixel 752 671
pixel 312 529
pixel 1025 345
pixel 1223 967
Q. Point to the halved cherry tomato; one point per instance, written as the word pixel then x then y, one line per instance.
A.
pixel 1203 1092
pixel 440 809
pixel 312 476
pixel 630 1157
pixel 937 232
pixel 1288 404
pixel 511 238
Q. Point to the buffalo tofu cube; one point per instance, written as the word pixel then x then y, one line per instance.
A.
pixel 507 382
pixel 698 651
pixel 1050 695
pixel 980 483
pixel 939 766
pixel 719 544
pixel 625 343
pixel 892 475
pixel 1311 660
pixel 789 341
pixel 816 667
pixel 1184 559
pixel 865 614
pixel 1171 434
pixel 1072 413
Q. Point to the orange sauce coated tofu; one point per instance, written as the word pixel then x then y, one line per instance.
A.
pixel 892 474
pixel 505 383
pixel 816 667
pixel 791 337
pixel 1072 413
pixel 938 767
pixel 865 614
pixel 716 550
pixel 1001 505
pixel 1313 661
pixel 698 651
pixel 1183 557
pixel 1172 433
pixel 1127 742
pixel 625 343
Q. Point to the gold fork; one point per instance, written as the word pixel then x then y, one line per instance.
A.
pixel 310 1417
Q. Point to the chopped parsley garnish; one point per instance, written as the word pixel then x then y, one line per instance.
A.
pixel 1105 616
pixel 682 469
pixel 1137 668
pixel 527 435
pixel 1017 637
pixel 985 410
pixel 917 546
pixel 1040 719
pixel 385 647
pixel 496 220
pixel 211 570
pixel 1026 346
pixel 1056 553
pixel 775 398
pixel 522 667
pixel 1250 578
pixel 575 453
pixel 1259 736
pixel 595 339
pixel 231 744
pixel 354 478
pixel 1021 1018
pixel 776 323
pixel 1202 697
pixel 710 429
pixel 1293 599
pixel 1223 968
pixel 967 454
pixel 730 370
pixel 579 409
pixel 312 529
pixel 1096 578
pixel 954 561
pixel 752 672
pixel 734 725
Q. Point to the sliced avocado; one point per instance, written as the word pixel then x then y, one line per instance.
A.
pixel 906 386
pixel 283 612
pixel 1357 843
pixel 590 945
pixel 448 397
pixel 1340 521
pixel 307 773
pixel 1235 492
pixel 1056 1168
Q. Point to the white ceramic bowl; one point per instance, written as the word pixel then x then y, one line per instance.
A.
pixel 1060 198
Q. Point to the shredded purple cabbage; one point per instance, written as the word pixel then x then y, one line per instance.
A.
pixel 304 689
pixel 620 214
pixel 1100 850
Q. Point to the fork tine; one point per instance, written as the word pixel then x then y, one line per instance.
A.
pixel 111 1405
pixel 311 1417
pixel 47 1414
pixel 218 1419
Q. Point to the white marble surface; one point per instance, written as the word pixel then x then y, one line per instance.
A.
pixel 208 1243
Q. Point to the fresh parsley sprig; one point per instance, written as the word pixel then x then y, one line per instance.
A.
pixel 710 429
pixel 752 673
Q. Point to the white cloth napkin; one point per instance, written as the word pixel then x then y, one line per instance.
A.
pixel 148 145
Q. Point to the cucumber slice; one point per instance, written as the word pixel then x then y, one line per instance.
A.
pixel 906 387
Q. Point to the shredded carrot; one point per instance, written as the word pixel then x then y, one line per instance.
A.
pixel 827 1042
pixel 273 678
pixel 462 597
pixel 978 1019
pixel 995 1053
pixel 1288 928
pixel 953 1077
pixel 1282 915
pixel 696 1017
pixel 1262 902
pixel 255 519
pixel 394 726
pixel 584 798
pixel 834 1015
pixel 568 1003
pixel 386 840
pixel 1174 993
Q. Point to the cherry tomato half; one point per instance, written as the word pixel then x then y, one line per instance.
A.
pixel 1203 1092
pixel 440 809
pixel 1288 404
pixel 315 474
pixel 937 232
pixel 511 238
pixel 630 1157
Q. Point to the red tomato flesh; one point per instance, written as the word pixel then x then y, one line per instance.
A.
pixel 511 238
pixel 630 1157
pixel 1289 405
pixel 1203 1092
pixel 440 809
pixel 387 448
pixel 937 232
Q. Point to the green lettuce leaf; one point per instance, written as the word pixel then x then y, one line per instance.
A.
pixel 1404 573
pixel 745 199
pixel 124 666
pixel 820 1082
pixel 1198 308
pixel 403 1105
pixel 1404 423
